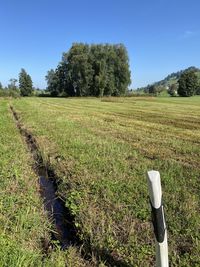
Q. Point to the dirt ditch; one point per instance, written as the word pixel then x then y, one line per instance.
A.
pixel 59 215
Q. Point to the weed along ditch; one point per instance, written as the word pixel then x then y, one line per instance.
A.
pixel 64 229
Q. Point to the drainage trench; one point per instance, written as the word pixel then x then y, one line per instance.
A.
pixel 63 223
pixel 64 229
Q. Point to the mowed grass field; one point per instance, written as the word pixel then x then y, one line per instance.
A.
pixel 101 149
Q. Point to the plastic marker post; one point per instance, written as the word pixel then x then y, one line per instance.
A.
pixel 158 218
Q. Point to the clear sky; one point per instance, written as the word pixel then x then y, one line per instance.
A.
pixel 161 36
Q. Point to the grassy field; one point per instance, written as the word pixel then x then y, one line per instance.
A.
pixel 24 226
pixel 101 149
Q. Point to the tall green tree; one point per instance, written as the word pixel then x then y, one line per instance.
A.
pixel 79 69
pixel 121 70
pixel 188 83
pixel 25 83
pixel 98 61
pixel 53 82
pixel 94 70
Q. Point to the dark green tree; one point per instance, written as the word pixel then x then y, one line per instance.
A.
pixel 188 83
pixel 153 89
pixel 25 83
pixel 53 82
pixel 98 61
pixel 121 70
pixel 79 69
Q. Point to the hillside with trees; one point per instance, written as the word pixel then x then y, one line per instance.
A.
pixel 91 70
pixel 174 77
pixel 171 84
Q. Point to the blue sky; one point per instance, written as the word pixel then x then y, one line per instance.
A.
pixel 161 36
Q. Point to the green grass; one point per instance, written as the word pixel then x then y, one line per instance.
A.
pixel 23 222
pixel 101 149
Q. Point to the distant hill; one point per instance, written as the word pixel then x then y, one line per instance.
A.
pixel 171 78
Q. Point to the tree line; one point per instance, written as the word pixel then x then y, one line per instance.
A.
pixel 176 75
pixel 91 70
pixel 99 70
pixel 25 87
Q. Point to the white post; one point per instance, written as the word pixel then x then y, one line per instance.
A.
pixel 153 178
